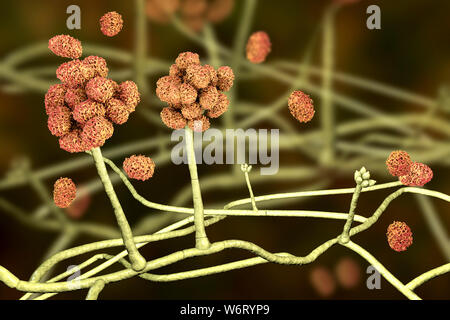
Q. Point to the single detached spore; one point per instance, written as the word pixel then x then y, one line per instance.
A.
pixel 65 46
pixel 258 47
pixel 194 92
pixel 172 118
pixel 398 163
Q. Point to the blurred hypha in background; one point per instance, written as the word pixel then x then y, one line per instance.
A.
pixel 194 13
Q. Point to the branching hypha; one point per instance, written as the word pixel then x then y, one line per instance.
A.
pixel 87 106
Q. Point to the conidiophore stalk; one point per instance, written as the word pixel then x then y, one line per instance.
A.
pixel 246 169
pixel 138 262
pixel 345 238
pixel 362 179
pixel 201 239
pixel 327 109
